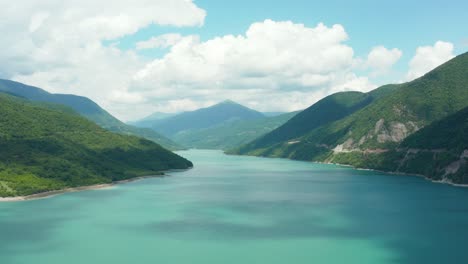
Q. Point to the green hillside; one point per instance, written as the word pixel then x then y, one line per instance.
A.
pixel 371 136
pixel 439 151
pixel 329 109
pixel 86 108
pixel 47 147
pixel 227 111
pixel 443 145
pixel 448 133
pixel 231 134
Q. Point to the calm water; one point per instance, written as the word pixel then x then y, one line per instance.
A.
pixel 244 210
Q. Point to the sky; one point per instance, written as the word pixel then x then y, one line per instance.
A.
pixel 143 56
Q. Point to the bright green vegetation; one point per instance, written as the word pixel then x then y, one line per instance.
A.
pixel 231 134
pixel 373 136
pixel 327 110
pixel 86 108
pixel 46 147
pixel 448 133
pixel 448 140
pixel 227 111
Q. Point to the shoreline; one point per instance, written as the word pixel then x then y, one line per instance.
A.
pixel 102 186
pixel 445 182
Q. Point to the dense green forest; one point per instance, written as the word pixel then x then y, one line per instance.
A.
pixel 47 147
pixel 373 135
pixel 86 108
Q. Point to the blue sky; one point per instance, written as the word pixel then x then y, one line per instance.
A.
pixel 268 55
pixel 402 24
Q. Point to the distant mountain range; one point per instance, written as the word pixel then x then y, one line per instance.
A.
pixel 45 146
pixel 390 128
pixel 86 108
pixel 227 111
pixel 229 135
pixel 221 126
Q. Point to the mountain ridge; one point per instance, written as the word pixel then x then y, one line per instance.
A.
pixel 226 111
pixel 86 107
pixel 370 136
pixel 231 134
pixel 46 147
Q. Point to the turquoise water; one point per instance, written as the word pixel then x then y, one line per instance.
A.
pixel 244 210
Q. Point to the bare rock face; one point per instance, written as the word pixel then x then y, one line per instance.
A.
pixel 464 155
pixel 347 146
pixel 393 132
pixel 383 132
pixel 455 166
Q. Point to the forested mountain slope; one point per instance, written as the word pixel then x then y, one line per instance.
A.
pixel 377 130
pixel 47 147
pixel 86 108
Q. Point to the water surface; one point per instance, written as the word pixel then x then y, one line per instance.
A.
pixel 231 209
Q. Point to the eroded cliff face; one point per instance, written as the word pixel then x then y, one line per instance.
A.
pixel 385 137
pixel 383 132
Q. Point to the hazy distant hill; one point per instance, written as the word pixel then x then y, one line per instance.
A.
pixel 86 108
pixel 47 147
pixel 272 114
pixel 231 134
pixel 371 136
pixel 151 120
pixel 227 111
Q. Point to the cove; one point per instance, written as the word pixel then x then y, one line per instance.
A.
pixel 235 209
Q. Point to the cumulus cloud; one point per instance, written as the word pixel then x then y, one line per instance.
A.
pixel 58 44
pixel 284 60
pixel 429 57
pixel 163 41
pixel 381 59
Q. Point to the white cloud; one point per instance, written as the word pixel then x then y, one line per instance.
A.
pixel 163 41
pixel 57 44
pixel 285 66
pixel 381 59
pixel 429 57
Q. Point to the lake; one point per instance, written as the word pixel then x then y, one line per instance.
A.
pixel 231 209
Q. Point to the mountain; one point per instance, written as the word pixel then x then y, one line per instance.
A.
pixel 372 136
pixel 229 135
pixel 227 111
pixel 86 108
pixel 152 119
pixel 443 146
pixel 46 147
pixel 329 109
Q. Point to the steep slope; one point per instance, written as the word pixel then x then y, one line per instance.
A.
pixel 86 108
pixel 329 109
pixel 377 131
pixel 231 134
pixel 44 148
pixel 440 150
pixel 227 111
